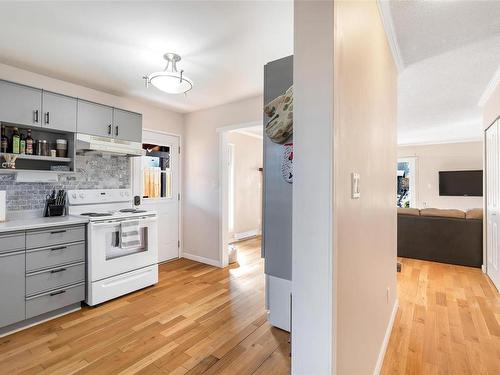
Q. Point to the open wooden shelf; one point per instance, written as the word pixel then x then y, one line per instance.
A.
pixel 40 158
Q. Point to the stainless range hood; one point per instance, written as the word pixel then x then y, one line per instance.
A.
pixel 87 142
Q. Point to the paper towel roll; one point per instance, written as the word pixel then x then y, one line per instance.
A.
pixel 2 205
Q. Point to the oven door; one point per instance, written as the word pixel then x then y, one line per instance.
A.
pixel 107 258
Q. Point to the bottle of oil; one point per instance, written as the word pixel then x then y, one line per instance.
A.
pixel 29 143
pixel 4 146
pixel 16 139
pixel 22 144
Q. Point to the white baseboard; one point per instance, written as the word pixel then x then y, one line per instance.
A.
pixel 483 268
pixel 387 337
pixel 248 234
pixel 197 258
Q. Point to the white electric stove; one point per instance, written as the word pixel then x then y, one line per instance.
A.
pixel 113 269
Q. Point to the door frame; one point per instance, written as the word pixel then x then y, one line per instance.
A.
pixel 223 188
pixel 413 161
pixel 179 208
pixel 484 267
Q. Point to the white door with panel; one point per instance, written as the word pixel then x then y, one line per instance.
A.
pixel 492 204
pixel 156 181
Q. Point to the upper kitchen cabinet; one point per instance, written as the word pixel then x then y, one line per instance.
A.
pixel 127 125
pixel 20 104
pixel 95 119
pixel 59 112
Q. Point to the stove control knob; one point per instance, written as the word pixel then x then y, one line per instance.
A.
pixel 126 193
pixel 121 193
pixel 73 195
pixel 81 196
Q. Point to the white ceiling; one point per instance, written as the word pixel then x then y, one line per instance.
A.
pixel 450 50
pixel 110 45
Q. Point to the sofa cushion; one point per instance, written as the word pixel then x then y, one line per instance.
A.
pixel 409 211
pixel 457 214
pixel 474 213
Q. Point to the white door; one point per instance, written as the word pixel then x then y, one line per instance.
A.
pixel 167 206
pixel 492 209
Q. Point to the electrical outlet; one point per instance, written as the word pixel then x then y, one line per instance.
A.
pixel 355 192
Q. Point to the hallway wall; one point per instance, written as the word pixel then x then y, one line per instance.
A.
pixel 247 184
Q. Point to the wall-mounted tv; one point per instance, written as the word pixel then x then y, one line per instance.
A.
pixel 461 183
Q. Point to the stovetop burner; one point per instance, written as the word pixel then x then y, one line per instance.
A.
pixel 95 214
pixel 132 210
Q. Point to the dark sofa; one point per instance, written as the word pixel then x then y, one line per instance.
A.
pixel 447 236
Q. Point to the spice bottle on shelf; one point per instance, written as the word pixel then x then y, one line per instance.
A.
pixel 29 143
pixel 15 141
pixel 4 147
pixel 22 144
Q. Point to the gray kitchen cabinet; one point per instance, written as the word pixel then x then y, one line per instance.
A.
pixel 59 112
pixel 12 288
pixel 127 125
pixel 94 119
pixel 20 104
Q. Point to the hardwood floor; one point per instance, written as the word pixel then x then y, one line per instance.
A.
pixel 198 320
pixel 448 322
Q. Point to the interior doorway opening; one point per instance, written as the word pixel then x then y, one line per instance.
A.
pixel 241 158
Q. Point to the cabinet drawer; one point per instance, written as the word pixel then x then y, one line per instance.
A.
pixel 54 278
pixel 54 236
pixel 12 242
pixel 54 256
pixel 50 301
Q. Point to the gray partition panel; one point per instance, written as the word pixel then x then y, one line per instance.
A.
pixel 277 194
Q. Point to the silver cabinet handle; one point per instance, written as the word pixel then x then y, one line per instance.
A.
pixel 35 113
pixel 116 130
pixel 47 118
pixel 109 129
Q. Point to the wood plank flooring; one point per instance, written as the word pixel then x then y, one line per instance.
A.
pixel 448 322
pixel 198 320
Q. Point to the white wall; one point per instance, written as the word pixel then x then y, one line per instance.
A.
pixel 201 173
pixel 430 159
pixel 153 117
pixel 248 152
pixel 365 106
pixel 312 263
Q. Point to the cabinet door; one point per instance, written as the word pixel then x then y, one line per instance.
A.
pixel 20 104
pixel 127 125
pixel 59 112
pixel 12 288
pixel 94 119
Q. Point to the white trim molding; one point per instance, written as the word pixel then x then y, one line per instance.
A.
pixel 492 85
pixel 250 134
pixel 387 336
pixel 386 16
pixel 200 259
pixel 440 142
pixel 248 234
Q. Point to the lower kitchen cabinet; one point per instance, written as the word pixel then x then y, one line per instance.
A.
pixel 41 270
pixel 12 287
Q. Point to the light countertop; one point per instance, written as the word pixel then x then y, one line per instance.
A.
pixel 18 223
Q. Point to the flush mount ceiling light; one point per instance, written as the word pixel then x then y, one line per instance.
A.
pixel 170 80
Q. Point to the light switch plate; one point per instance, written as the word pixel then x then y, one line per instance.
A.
pixel 355 192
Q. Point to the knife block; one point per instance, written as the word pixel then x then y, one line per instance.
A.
pixel 53 209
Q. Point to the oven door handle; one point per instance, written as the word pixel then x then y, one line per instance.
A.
pixel 117 222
